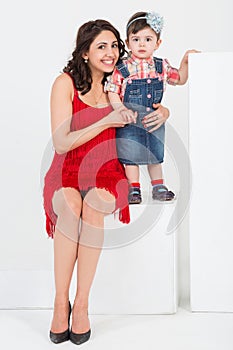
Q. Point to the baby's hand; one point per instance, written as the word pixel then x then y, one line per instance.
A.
pixel 128 115
pixel 185 58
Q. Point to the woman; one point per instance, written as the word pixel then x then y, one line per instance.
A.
pixel 85 179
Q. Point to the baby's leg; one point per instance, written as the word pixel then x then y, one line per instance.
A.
pixel 132 173
pixel 155 171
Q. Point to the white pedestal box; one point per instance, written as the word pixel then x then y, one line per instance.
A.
pixel 137 272
pixel 211 145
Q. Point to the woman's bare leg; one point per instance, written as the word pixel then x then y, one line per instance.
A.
pixel 96 205
pixel 67 204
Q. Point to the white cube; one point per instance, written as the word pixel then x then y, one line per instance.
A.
pixel 138 274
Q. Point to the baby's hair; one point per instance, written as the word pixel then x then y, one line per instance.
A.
pixel 138 24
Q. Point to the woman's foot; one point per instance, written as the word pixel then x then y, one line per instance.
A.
pixel 61 313
pixel 61 320
pixel 80 330
pixel 80 320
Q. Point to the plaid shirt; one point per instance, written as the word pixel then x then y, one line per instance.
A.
pixel 140 69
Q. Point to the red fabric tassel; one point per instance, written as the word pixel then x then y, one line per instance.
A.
pixel 124 215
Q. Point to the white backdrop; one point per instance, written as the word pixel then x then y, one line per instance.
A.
pixel 36 40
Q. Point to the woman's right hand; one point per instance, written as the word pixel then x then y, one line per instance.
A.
pixel 117 119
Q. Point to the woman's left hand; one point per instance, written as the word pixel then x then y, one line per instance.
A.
pixel 156 118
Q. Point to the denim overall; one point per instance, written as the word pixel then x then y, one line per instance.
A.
pixel 135 145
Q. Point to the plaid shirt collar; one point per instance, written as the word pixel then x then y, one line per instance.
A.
pixel 135 60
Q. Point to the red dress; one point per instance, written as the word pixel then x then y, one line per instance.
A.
pixel 93 164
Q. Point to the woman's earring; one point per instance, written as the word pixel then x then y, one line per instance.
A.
pixel 86 60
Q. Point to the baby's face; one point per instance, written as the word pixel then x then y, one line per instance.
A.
pixel 143 43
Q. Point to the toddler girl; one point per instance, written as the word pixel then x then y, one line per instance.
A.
pixel 137 84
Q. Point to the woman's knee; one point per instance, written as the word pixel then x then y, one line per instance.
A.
pixel 97 202
pixel 67 200
pixel 67 204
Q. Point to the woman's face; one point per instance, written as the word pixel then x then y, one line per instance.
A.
pixel 103 53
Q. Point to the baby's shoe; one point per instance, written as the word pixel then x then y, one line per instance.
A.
pixel 135 196
pixel 161 193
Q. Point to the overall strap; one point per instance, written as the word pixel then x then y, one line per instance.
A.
pixel 123 69
pixel 158 65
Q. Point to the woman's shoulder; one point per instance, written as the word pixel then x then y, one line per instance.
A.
pixel 63 82
pixel 63 79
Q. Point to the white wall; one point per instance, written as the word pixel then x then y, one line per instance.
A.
pixel 36 41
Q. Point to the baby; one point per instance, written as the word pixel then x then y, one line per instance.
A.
pixel 138 82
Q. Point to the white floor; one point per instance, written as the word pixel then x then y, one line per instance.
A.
pixel 28 329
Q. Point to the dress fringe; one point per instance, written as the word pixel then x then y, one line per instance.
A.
pixel 124 215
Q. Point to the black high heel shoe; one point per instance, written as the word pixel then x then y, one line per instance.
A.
pixel 79 338
pixel 63 336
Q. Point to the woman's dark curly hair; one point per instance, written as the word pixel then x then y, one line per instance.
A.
pixel 76 67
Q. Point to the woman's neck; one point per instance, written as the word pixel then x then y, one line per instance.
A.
pixel 97 79
pixel 96 97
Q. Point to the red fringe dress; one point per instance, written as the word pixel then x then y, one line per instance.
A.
pixel 93 164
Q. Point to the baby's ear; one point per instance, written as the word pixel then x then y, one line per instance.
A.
pixel 127 43
pixel 158 43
